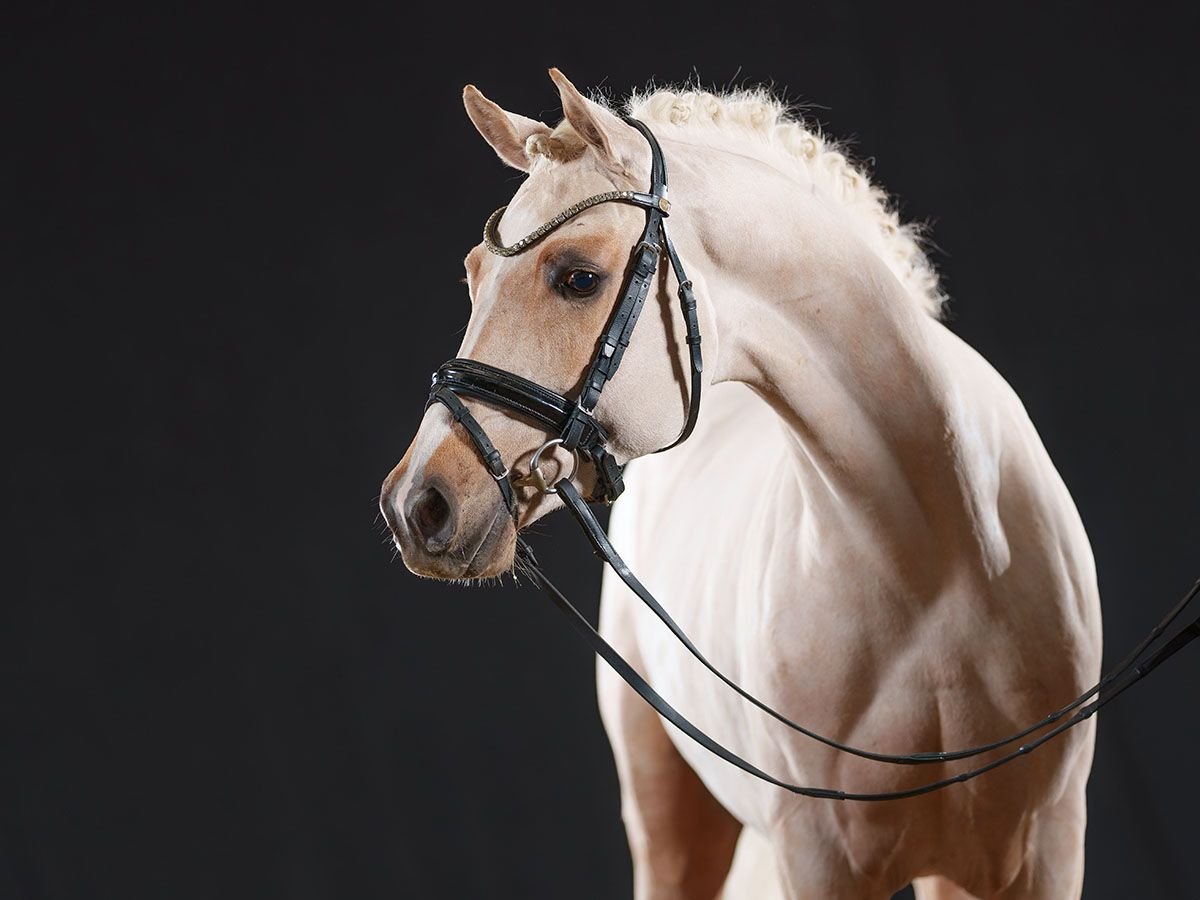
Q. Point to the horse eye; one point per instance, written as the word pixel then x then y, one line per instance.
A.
pixel 581 281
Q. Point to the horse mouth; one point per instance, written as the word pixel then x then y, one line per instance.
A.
pixel 481 558
pixel 485 560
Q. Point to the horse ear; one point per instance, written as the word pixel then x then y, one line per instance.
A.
pixel 506 132
pixel 597 126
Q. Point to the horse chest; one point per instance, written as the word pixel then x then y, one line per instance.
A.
pixel 788 633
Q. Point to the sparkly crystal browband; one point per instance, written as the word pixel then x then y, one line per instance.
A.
pixel 491 238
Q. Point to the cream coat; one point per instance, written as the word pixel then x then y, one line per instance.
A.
pixel 865 529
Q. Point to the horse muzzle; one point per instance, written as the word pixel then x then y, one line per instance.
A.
pixel 447 531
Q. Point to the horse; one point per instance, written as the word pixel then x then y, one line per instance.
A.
pixel 864 529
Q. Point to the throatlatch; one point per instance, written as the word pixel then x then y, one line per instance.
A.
pixel 575 428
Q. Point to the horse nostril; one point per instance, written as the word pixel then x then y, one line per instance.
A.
pixel 431 518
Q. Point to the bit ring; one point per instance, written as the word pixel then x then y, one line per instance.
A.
pixel 535 467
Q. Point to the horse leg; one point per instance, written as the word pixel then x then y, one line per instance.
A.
pixel 934 887
pixel 1052 867
pixel 681 839
pixel 754 874
pixel 809 872
pixel 813 863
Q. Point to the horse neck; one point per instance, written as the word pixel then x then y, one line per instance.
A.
pixel 810 317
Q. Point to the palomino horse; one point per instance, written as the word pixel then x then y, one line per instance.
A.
pixel 864 530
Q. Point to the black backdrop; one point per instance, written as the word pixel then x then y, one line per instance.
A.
pixel 232 261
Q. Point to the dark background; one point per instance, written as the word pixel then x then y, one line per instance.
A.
pixel 232 261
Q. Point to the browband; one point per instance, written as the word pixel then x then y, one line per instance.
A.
pixel 491 236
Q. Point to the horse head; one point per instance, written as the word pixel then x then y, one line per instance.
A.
pixel 538 314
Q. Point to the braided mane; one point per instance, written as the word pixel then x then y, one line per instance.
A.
pixel 769 126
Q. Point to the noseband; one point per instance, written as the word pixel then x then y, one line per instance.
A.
pixel 574 427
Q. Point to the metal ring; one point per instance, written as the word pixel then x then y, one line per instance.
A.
pixel 535 466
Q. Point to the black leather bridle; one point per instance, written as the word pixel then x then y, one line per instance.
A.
pixel 576 429
pixel 573 421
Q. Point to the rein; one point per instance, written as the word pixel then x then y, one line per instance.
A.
pixel 578 431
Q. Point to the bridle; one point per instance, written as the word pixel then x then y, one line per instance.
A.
pixel 574 427
pixel 573 421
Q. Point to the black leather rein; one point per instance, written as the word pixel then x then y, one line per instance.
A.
pixel 575 428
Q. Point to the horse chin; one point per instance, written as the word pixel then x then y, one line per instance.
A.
pixel 495 555
pixel 489 556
